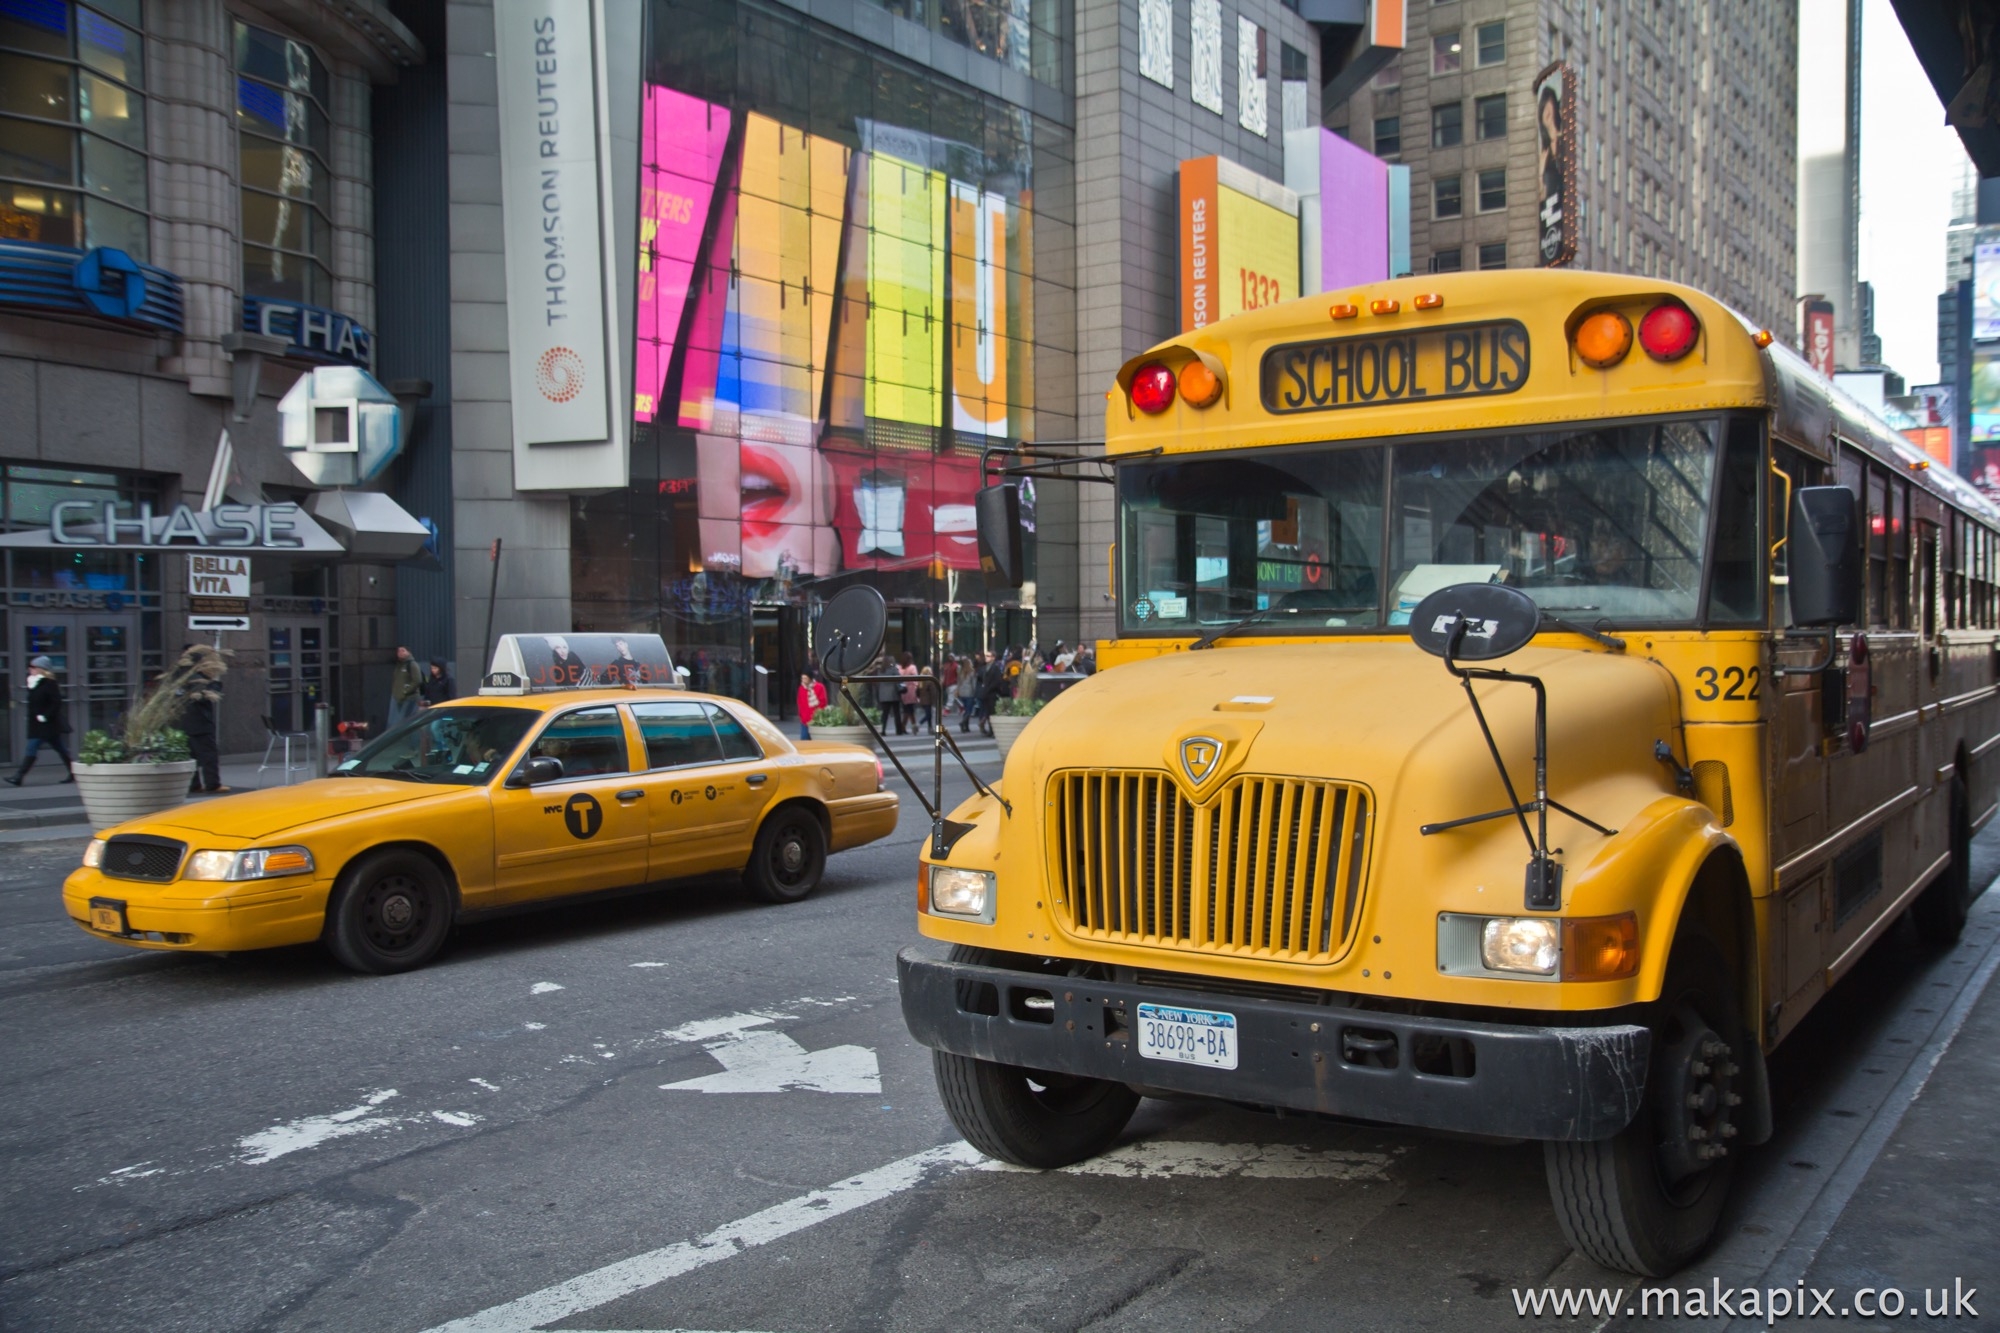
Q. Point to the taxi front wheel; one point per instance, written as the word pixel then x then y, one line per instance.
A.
pixel 789 857
pixel 390 913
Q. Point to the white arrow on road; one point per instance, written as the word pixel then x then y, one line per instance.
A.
pixel 758 1061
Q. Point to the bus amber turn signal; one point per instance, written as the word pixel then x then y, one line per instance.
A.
pixel 1668 331
pixel 1603 339
pixel 1342 310
pixel 1385 306
pixel 1600 948
pixel 1429 301
pixel 1153 388
pixel 1200 386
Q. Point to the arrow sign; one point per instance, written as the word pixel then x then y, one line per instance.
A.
pixel 754 1061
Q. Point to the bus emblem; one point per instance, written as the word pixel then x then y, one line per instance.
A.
pixel 1200 756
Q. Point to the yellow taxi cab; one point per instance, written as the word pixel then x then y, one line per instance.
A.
pixel 523 795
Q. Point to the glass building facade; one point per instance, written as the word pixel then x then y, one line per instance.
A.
pixel 853 276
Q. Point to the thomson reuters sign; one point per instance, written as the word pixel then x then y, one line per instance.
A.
pixel 555 210
pixel 1239 241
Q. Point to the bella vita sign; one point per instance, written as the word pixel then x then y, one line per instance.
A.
pixel 556 209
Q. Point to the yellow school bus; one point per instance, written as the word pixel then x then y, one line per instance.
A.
pixel 1278 854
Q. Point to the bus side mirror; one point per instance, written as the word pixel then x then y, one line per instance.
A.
pixel 1002 542
pixel 1825 564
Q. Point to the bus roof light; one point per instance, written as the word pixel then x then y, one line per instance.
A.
pixel 1342 310
pixel 1603 339
pixel 1385 306
pixel 1429 301
pixel 1668 331
pixel 1762 337
pixel 1200 386
pixel 1153 388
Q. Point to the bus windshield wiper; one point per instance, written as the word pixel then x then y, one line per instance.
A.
pixel 1208 640
pixel 1598 635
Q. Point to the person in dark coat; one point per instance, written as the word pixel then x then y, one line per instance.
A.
pixel 48 720
pixel 201 669
pixel 438 685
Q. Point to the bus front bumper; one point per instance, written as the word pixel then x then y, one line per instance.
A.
pixel 1574 1083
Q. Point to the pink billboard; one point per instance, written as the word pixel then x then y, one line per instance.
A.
pixel 681 145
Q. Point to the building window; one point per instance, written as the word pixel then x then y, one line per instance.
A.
pixel 281 93
pixel 1446 53
pixel 1447 200
pixel 1493 255
pixel 1490 114
pixel 1390 78
pixel 1448 125
pixel 1294 87
pixel 1492 43
pixel 73 125
pixel 1492 189
pixel 1447 261
pixel 1388 136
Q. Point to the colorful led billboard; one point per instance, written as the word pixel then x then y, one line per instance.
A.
pixel 1239 241
pixel 681 142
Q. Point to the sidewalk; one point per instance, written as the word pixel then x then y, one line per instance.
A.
pixel 46 807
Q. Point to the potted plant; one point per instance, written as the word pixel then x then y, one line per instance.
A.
pixel 144 765
pixel 1011 716
pixel 839 722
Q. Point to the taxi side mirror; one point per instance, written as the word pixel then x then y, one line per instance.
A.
pixel 534 772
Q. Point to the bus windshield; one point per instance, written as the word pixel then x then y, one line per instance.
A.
pixel 1602 524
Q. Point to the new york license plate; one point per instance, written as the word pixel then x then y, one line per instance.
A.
pixel 107 914
pixel 1187 1036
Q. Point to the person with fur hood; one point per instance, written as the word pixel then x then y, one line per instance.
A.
pixel 202 669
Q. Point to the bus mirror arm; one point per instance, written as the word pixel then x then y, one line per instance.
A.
pixel 1825 661
pixel 1542 891
pixel 945 833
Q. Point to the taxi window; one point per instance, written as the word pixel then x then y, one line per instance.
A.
pixel 462 745
pixel 737 742
pixel 589 742
pixel 676 735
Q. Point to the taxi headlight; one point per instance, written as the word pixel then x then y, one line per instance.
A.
pixel 967 893
pixel 258 863
pixel 1520 944
pixel 93 855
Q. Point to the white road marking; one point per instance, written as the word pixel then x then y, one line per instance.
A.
pixel 641 1271
pixel 490 1087
pixel 645 964
pixel 755 1061
pixel 543 988
pixel 534 1027
pixel 310 1131
pixel 459 1118
pixel 707 1029
pixel 1163 1160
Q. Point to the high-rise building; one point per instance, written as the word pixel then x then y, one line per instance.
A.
pixel 1686 152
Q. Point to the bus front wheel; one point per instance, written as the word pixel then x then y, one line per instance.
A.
pixel 1940 910
pixel 1647 1200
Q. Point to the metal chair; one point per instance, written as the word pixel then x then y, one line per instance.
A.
pixel 286 740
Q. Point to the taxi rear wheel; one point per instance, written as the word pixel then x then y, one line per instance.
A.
pixel 390 913
pixel 789 858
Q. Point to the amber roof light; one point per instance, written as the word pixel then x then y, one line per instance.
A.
pixel 1344 311
pixel 1385 306
pixel 1603 339
pixel 1200 386
pixel 1429 301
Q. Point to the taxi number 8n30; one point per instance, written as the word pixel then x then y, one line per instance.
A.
pixel 1187 1036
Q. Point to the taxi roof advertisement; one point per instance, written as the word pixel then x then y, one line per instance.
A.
pixel 585 661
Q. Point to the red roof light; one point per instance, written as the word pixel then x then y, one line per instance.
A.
pixel 1153 388
pixel 1668 331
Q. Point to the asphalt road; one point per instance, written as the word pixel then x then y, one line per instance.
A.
pixel 560 1125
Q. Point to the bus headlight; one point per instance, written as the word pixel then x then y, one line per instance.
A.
pixel 259 863
pixel 964 893
pixel 1520 944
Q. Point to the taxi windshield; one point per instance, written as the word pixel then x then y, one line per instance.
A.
pixel 462 746
pixel 1600 523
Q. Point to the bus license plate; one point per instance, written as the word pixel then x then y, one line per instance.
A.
pixel 1187 1036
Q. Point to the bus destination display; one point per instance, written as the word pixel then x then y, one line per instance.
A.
pixel 1463 361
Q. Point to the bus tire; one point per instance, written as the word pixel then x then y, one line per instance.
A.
pixel 1026 1116
pixel 390 913
pixel 1939 912
pixel 1647 1200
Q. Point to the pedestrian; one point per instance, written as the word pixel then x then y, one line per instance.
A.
pixel 406 685
pixel 906 716
pixel 948 686
pixel 201 669
pixel 1065 657
pixel 993 686
pixel 438 685
pixel 812 698
pixel 1086 660
pixel 927 698
pixel 968 691
pixel 48 720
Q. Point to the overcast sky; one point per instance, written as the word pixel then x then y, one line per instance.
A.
pixel 1910 163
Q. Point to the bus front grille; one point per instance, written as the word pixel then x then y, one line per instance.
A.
pixel 1270 868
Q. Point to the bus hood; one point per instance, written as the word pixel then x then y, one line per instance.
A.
pixel 1379 713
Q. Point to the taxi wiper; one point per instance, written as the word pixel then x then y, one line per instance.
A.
pixel 1208 640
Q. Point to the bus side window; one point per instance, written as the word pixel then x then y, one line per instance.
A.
pixel 1803 471
pixel 1927 565
pixel 1900 535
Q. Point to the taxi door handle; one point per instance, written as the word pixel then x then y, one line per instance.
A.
pixel 758 779
pixel 631 794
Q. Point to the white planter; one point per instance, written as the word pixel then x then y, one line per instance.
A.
pixel 1007 730
pixel 845 735
pixel 114 793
